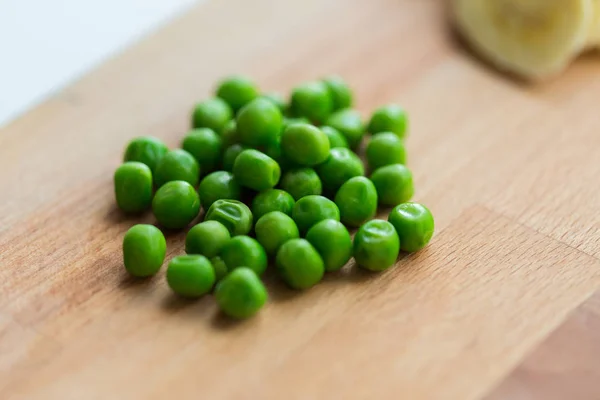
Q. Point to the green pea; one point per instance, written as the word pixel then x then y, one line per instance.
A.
pixel 235 215
pixel 219 266
pixel 357 201
pixel 133 187
pixel 287 121
pixel 259 123
pixel 231 154
pixel 305 144
pixel 301 182
pixel 207 238
pixel 244 251
pixel 237 91
pixel 390 118
pixel 299 264
pixel 376 245
pixel 241 294
pixel 216 186
pixel 256 170
pixel 190 276
pixel 313 101
pixel 177 165
pixel 339 91
pixel 176 204
pixel 274 229
pixel 272 200
pixel 349 123
pixel 276 99
pixel 414 225
pixel 336 139
pixel 146 149
pixel 229 134
pixel 394 184
pixel 341 165
pixel 385 148
pixel 206 147
pixel 311 209
pixel 333 242
pixel 144 249
pixel 213 113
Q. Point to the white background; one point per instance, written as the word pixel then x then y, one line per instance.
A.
pixel 45 44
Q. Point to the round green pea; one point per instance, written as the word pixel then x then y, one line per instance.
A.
pixel 244 251
pixel 206 147
pixel 237 91
pixel 333 242
pixel 299 264
pixel 340 92
pixel 301 182
pixel 231 154
pixel 336 139
pixel 191 275
pixel 241 294
pixel 144 249
pixel 389 118
pixel 414 225
pixel 146 149
pixel 349 123
pixel 235 215
pixel 213 113
pixel 216 186
pixel 276 99
pixel 259 123
pixel 207 238
pixel 385 148
pixel 341 165
pixel 394 184
pixel 357 201
pixel 229 134
pixel 272 200
pixel 177 165
pixel 376 245
pixel 311 209
pixel 133 187
pixel 256 170
pixel 274 229
pixel 305 144
pixel 312 100
pixel 176 204
pixel 219 266
pixel 287 121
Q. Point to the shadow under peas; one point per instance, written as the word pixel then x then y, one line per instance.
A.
pixel 221 322
pixel 130 282
pixel 173 303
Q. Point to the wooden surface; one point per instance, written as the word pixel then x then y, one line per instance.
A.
pixel 510 172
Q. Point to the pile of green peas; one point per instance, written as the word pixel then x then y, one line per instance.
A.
pixel 280 181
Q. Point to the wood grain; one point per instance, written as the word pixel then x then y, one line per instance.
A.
pixel 509 171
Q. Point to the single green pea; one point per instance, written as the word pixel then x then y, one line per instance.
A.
pixel 133 187
pixel 276 99
pixel 305 144
pixel 213 113
pixel 414 225
pixel 299 264
pixel 190 276
pixel 244 251
pixel 206 147
pixel 301 182
pixel 313 101
pixel 235 215
pixel 333 242
pixel 272 200
pixel 385 148
pixel 219 266
pixel 146 149
pixel 144 249
pixel 311 209
pixel 229 134
pixel 274 229
pixel 176 204
pixel 287 121
pixel 177 165
pixel 336 139
pixel 256 170
pixel 389 118
pixel 231 154
pixel 394 184
pixel 376 245
pixel 349 123
pixel 341 165
pixel 218 185
pixel 340 92
pixel 237 91
pixel 207 238
pixel 259 123
pixel 357 201
pixel 241 294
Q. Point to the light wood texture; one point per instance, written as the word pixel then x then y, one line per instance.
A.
pixel 510 172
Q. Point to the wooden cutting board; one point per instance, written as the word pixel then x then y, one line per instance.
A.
pixel 509 170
